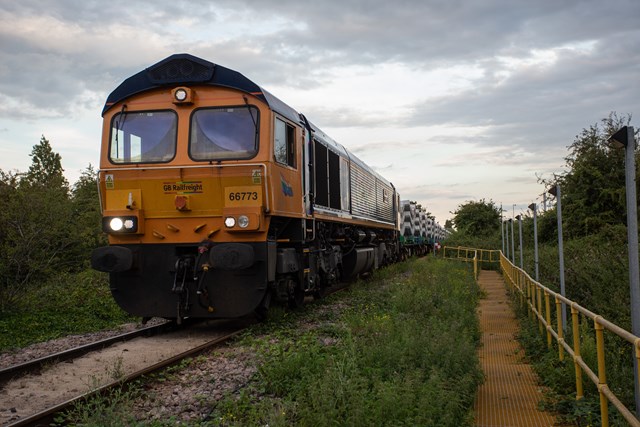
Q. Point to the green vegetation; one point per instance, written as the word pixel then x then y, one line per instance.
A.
pixel 106 410
pixel 397 349
pixel 477 225
pixel 596 276
pixel 403 353
pixel 559 376
pixel 47 231
pixel 70 303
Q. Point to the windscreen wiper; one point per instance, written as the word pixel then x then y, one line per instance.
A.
pixel 255 125
pixel 119 127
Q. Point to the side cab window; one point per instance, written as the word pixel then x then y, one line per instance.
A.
pixel 284 143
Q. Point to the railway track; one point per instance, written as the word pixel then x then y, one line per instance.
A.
pixel 33 395
pixel 36 365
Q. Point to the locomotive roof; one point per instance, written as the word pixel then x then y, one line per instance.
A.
pixel 185 69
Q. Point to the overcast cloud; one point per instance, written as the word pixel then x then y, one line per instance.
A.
pixel 450 100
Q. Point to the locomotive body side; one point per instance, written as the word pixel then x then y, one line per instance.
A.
pixel 218 197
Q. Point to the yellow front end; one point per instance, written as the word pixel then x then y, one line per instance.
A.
pixel 185 205
pixel 185 193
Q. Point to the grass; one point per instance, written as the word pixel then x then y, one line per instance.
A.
pixel 402 351
pixel 70 304
pixel 397 349
pixel 106 410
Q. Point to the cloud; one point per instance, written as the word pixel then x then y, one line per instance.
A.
pixel 543 101
pixel 404 85
pixel 54 58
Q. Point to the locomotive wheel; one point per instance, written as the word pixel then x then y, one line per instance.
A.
pixel 296 295
pixel 262 310
pixel 320 292
pixel 321 287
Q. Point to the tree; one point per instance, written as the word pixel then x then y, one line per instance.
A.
pixel 477 225
pixel 593 191
pixel 477 218
pixel 37 224
pixel 46 168
pixel 9 289
pixel 86 213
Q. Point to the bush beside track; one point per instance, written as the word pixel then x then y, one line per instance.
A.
pixel 70 303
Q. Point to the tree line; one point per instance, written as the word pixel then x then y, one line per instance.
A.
pixel 594 223
pixel 593 190
pixel 47 226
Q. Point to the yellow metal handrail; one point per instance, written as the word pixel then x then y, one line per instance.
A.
pixel 476 256
pixel 532 292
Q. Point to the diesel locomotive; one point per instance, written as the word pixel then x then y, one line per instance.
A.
pixel 218 198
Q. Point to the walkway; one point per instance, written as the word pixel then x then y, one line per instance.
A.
pixel 509 395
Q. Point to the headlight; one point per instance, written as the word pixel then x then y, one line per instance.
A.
pixel 116 224
pixel 230 222
pixel 120 224
pixel 180 95
pixel 243 221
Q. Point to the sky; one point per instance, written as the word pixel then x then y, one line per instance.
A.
pixel 450 100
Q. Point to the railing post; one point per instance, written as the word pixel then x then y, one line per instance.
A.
pixel 547 309
pixel 560 331
pixel 539 292
pixel 522 282
pixel 602 373
pixel 530 298
pixel 636 345
pixel 475 266
pixel 576 350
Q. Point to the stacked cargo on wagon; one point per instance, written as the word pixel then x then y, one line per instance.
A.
pixel 412 229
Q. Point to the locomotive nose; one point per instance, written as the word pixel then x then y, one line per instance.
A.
pixel 111 259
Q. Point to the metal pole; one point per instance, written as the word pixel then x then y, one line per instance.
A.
pixel 502 228
pixel 520 228
pixel 625 137
pixel 632 236
pixel 507 239
pixel 513 246
pixel 534 208
pixel 561 255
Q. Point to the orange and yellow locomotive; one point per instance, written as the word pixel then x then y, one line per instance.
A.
pixel 218 198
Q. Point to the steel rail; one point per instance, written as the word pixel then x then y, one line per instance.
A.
pixel 46 417
pixel 36 365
